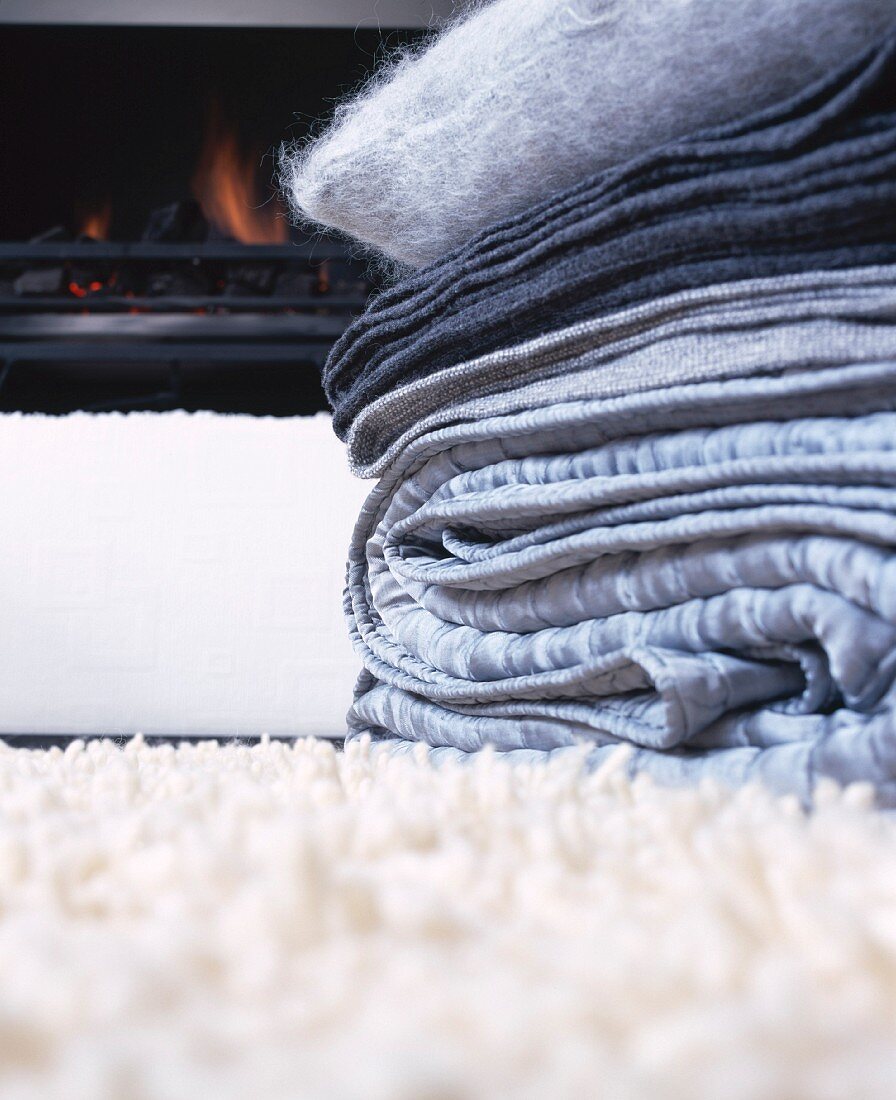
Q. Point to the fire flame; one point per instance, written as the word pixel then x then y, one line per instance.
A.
pixel 97 223
pixel 225 185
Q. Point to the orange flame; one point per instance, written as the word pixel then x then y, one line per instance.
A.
pixel 97 223
pixel 226 187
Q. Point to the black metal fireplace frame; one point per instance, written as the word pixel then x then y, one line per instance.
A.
pixel 171 329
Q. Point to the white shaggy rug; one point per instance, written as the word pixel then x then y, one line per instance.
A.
pixel 287 921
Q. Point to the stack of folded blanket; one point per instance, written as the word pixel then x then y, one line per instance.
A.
pixel 633 409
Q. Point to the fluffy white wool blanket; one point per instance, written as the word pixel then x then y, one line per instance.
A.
pixel 524 97
pixel 286 921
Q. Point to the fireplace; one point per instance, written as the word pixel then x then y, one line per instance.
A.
pixel 146 260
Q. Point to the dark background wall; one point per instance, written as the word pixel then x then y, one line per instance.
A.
pixel 96 114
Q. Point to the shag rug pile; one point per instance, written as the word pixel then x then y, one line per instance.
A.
pixel 291 921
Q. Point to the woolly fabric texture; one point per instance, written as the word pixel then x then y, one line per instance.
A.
pixel 291 922
pixel 808 185
pixel 526 97
pixel 758 327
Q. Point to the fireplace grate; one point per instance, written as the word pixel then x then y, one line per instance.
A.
pixel 156 324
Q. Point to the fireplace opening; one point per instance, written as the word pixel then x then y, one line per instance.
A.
pixel 146 259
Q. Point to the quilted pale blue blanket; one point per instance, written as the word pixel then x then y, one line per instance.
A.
pixel 704 571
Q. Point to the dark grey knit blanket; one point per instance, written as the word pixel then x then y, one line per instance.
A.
pixel 807 185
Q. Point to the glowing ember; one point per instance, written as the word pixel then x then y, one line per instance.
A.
pixel 226 186
pixel 97 223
